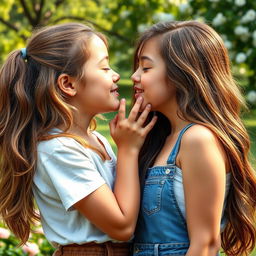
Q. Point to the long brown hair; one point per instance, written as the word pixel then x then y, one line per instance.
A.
pixel 31 104
pixel 198 66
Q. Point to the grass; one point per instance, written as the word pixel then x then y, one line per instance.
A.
pixel 250 123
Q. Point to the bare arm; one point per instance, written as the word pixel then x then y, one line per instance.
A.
pixel 115 213
pixel 204 174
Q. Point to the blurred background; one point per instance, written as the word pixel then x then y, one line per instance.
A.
pixel 122 21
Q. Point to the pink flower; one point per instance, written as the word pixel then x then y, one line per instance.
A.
pixel 4 233
pixel 39 230
pixel 31 248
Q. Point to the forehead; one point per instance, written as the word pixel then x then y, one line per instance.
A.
pixel 150 48
pixel 97 48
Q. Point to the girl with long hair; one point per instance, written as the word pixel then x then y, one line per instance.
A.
pixel 198 187
pixel 50 93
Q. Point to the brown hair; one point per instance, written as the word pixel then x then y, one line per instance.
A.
pixel 31 104
pixel 198 66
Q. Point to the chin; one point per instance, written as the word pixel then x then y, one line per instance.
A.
pixel 113 108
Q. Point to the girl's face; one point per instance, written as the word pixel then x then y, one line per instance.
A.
pixel 99 94
pixel 150 78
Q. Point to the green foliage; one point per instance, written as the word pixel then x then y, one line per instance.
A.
pixel 123 20
pixel 9 246
pixel 235 21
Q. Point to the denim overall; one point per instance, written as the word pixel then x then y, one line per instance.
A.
pixel 161 229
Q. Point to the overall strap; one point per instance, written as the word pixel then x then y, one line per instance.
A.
pixel 172 157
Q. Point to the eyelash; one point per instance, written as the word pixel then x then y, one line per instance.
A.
pixel 106 69
pixel 145 69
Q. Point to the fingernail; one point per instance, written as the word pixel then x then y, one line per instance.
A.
pixel 140 98
pixel 148 105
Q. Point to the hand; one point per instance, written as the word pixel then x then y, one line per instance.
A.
pixel 130 133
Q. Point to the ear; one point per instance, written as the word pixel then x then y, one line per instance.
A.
pixel 67 84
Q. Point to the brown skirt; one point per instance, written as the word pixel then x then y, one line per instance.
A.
pixel 94 249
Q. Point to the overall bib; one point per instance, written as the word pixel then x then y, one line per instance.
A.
pixel 161 229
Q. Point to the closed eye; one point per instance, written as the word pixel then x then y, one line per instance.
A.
pixel 146 68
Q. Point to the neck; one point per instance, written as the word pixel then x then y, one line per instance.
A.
pixel 80 126
pixel 171 112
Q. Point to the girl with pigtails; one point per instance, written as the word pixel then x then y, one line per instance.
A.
pixel 50 93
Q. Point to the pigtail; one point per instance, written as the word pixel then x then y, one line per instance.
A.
pixel 16 141
pixel 31 105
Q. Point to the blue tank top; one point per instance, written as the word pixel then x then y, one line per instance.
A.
pixel 161 228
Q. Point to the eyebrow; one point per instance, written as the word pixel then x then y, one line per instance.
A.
pixel 145 58
pixel 105 58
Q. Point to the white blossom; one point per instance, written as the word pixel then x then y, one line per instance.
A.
pixel 228 44
pixel 254 35
pixel 106 11
pixel 249 52
pixel 161 16
pixel 200 19
pixel 142 28
pixel 241 31
pixel 240 2
pixel 185 7
pixel 224 37
pixel 124 14
pixel 249 16
pixel 251 97
pixel 240 57
pixel 219 19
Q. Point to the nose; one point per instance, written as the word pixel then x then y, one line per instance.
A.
pixel 115 77
pixel 135 77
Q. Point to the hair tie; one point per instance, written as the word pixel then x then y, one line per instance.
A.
pixel 23 53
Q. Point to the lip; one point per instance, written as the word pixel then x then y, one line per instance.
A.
pixel 137 90
pixel 115 89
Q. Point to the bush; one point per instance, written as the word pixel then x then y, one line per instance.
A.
pixel 37 244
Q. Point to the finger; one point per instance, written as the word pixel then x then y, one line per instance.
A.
pixel 121 111
pixel 112 124
pixel 150 125
pixel 135 109
pixel 143 116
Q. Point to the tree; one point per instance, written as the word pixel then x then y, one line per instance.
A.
pixel 122 20
pixel 235 20
pixel 119 20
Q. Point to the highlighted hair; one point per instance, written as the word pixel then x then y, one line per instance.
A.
pixel 31 104
pixel 198 66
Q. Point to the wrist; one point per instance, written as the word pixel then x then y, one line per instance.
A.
pixel 128 151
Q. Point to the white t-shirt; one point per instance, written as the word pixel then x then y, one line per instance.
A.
pixel 66 173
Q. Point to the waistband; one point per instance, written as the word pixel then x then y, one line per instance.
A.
pixel 92 248
pixel 162 245
pixel 158 249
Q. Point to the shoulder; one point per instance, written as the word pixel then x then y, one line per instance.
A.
pixel 61 146
pixel 198 135
pixel 200 145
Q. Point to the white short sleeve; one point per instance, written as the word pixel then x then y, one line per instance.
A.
pixel 71 171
